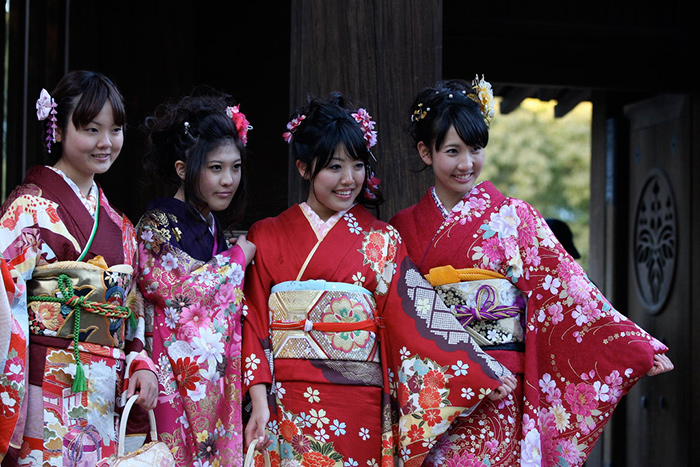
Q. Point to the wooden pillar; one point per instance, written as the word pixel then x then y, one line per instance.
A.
pixel 380 53
pixel 36 60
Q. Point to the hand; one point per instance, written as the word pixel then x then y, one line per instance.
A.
pixel 247 247
pixel 255 429
pixel 145 384
pixel 662 364
pixel 502 391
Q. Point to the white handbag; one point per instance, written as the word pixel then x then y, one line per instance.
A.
pixel 249 462
pixel 153 454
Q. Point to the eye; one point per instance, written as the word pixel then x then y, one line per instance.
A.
pixel 237 166
pixel 117 130
pixel 215 167
pixel 359 165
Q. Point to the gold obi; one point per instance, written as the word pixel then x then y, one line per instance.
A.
pixel 90 282
pixel 319 320
pixel 489 306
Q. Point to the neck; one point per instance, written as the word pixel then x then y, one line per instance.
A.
pixel 448 200
pixel 180 194
pixel 84 183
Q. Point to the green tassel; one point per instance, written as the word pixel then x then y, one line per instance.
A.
pixel 79 383
pixel 133 322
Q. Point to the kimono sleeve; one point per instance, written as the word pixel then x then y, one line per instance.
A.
pixel 435 372
pixel 581 355
pixel 257 353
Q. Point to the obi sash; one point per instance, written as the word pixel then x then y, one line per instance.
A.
pixel 319 320
pixel 52 314
pixel 488 305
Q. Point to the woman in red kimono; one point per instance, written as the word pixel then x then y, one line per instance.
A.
pixel 77 338
pixel 333 329
pixel 512 285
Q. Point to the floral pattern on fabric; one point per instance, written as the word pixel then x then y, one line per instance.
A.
pixel 196 308
pixel 581 355
pixel 44 224
pixel 329 410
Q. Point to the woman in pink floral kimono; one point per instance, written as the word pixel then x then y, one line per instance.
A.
pixel 192 278
pixel 516 290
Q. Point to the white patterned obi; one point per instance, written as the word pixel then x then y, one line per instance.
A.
pixel 491 310
pixel 319 320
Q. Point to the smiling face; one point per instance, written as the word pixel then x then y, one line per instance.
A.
pixel 91 149
pixel 456 167
pixel 335 187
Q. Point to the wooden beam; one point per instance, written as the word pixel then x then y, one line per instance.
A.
pixel 570 99
pixel 513 97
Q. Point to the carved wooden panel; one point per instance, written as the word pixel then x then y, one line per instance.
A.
pixel 655 241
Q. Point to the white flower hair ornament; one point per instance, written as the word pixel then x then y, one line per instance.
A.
pixel 483 95
pixel 46 108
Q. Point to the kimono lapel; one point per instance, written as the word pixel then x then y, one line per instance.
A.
pixel 77 219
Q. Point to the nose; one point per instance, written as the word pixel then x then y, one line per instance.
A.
pixel 227 178
pixel 105 141
pixel 346 176
pixel 465 162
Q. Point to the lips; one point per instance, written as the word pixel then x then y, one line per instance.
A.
pixel 344 193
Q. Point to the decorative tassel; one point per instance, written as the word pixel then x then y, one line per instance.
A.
pixel 133 322
pixel 79 383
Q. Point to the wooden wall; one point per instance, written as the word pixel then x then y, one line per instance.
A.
pixel 380 53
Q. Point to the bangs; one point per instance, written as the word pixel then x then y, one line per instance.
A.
pixel 90 103
pixel 470 128
pixel 350 136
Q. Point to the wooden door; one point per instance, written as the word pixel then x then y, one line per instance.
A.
pixel 659 290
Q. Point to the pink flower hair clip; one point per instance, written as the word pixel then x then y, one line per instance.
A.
pixel 367 125
pixel 241 122
pixel 292 126
pixel 46 108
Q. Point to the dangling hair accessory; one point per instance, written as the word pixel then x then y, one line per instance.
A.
pixel 372 186
pixel 367 125
pixel 187 128
pixel 291 126
pixel 242 123
pixel 46 108
pixel 483 95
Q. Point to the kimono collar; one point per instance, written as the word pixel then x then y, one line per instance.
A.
pixel 89 201
pixel 441 207
pixel 320 226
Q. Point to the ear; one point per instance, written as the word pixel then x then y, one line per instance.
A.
pixel 59 135
pixel 424 153
pixel 301 167
pixel 180 169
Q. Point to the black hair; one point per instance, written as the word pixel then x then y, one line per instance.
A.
pixel 81 95
pixel 328 123
pixel 189 130
pixel 447 104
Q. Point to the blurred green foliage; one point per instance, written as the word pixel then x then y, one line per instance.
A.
pixel 545 161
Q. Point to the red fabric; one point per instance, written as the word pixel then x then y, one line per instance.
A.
pixel 358 250
pixel 580 356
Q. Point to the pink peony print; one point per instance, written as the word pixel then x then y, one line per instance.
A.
pixel 582 398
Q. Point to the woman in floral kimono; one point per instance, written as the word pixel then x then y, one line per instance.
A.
pixel 495 261
pixel 76 343
pixel 192 278
pixel 353 357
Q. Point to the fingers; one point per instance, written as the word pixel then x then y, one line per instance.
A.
pixel 662 364
pixel 145 384
pixel 501 392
